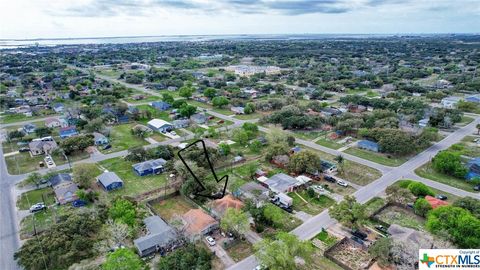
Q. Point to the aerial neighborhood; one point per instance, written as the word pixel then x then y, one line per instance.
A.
pixel 319 153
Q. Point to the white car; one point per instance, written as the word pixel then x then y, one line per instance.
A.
pixel 341 183
pixel 37 207
pixel 318 188
pixel 210 241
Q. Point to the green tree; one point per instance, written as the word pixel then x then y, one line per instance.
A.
pixel 186 91
pixel 340 161
pixel 450 163
pixel 168 98
pixel 462 227
pixel 43 131
pixel 240 136
pixel 84 174
pixel 420 189
pixel 291 141
pixel 255 146
pixel 123 211
pixel 274 215
pixel 304 162
pixel 349 212
pixel 220 102
pixel 396 194
pixel 123 259
pixel 210 92
pixel 16 134
pixel 178 103
pixel 224 149
pixel 422 207
pixel 34 178
pixel 187 110
pixel 380 250
pixel 470 204
pixel 235 221
pixel 188 257
pixel 281 252
pixel 249 108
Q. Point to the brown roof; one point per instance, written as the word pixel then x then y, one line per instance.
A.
pixel 221 205
pixel 434 202
pixel 197 221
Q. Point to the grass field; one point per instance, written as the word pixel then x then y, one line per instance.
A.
pixel 12 118
pixel 22 163
pixel 133 184
pixel 240 250
pixel 377 157
pixel 30 198
pixel 427 171
pixel 314 206
pixel 164 115
pixel 121 138
pixel 173 206
pixel 466 147
pixel 248 116
pixel 402 217
pixel 328 143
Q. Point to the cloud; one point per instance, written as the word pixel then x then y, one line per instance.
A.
pixel 107 8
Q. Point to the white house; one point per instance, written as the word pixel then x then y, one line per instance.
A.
pixel 160 125
pixel 450 102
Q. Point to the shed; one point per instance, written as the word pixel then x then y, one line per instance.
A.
pixel 110 181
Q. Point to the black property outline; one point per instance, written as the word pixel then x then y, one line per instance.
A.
pixel 202 187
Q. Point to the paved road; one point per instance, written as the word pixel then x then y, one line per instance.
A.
pixel 314 225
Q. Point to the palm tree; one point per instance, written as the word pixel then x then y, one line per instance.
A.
pixel 340 160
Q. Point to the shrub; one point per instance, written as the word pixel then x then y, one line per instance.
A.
pixel 420 189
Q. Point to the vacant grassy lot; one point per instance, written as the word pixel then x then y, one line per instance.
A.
pixel 377 157
pixel 22 163
pixel 396 215
pixel 30 198
pixel 121 138
pixel 240 250
pixel 427 171
pixel 18 117
pixel 328 143
pixel 248 116
pixel 373 205
pixel 467 147
pixel 315 204
pixel 327 239
pixel 133 184
pixel 114 73
pixel 173 206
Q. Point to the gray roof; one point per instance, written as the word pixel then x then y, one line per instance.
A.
pixel 199 117
pixel 252 186
pixel 41 145
pixel 98 136
pixel 154 163
pixel 159 234
pixel 107 178
pixel 280 182
pixel 59 178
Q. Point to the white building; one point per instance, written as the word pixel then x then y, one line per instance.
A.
pixel 450 102
pixel 160 125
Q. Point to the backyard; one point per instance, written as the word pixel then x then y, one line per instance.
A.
pixel 313 206
pixel 171 207
pixel 133 184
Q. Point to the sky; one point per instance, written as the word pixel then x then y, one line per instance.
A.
pixel 29 19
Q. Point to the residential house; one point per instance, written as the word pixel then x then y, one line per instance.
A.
pixel 154 166
pixel 368 145
pixel 423 122
pixel 199 118
pixel 331 111
pixel 68 132
pixel 219 207
pixel 160 105
pixel 29 128
pixel 473 169
pixel 65 190
pixel 198 223
pixel 160 125
pixel 250 93
pixel 281 183
pixel 450 102
pixel 58 107
pixel 160 237
pixel 54 122
pixel 473 98
pixel 100 139
pixel 434 202
pixel 42 146
pixel 181 123
pixel 354 108
pixel 58 178
pixel 253 191
pixel 238 110
pixel 109 181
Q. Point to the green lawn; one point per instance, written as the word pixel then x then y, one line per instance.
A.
pixel 121 138
pixel 109 72
pixel 59 159
pixel 466 120
pixel 22 163
pixel 326 238
pixel 396 215
pixel 308 135
pixel 466 147
pixel 171 207
pixel 133 184
pixel 328 143
pixel 164 115
pixel 43 221
pixel 315 204
pixel 427 171
pixel 12 118
pixel 377 157
pixel 158 137
pixel 30 198
pixel 248 116
pixel 373 205
pixel 240 250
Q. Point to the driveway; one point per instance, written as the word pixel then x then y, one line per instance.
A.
pixel 221 254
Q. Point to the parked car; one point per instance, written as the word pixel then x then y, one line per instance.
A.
pixel 381 228
pixel 441 197
pixel 210 241
pixel 173 133
pixel 410 205
pixel 23 149
pixel 37 207
pixel 477 187
pixel 79 203
pixel 359 234
pixel 329 178
pixel 341 183
pixel 356 239
pixel 108 146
